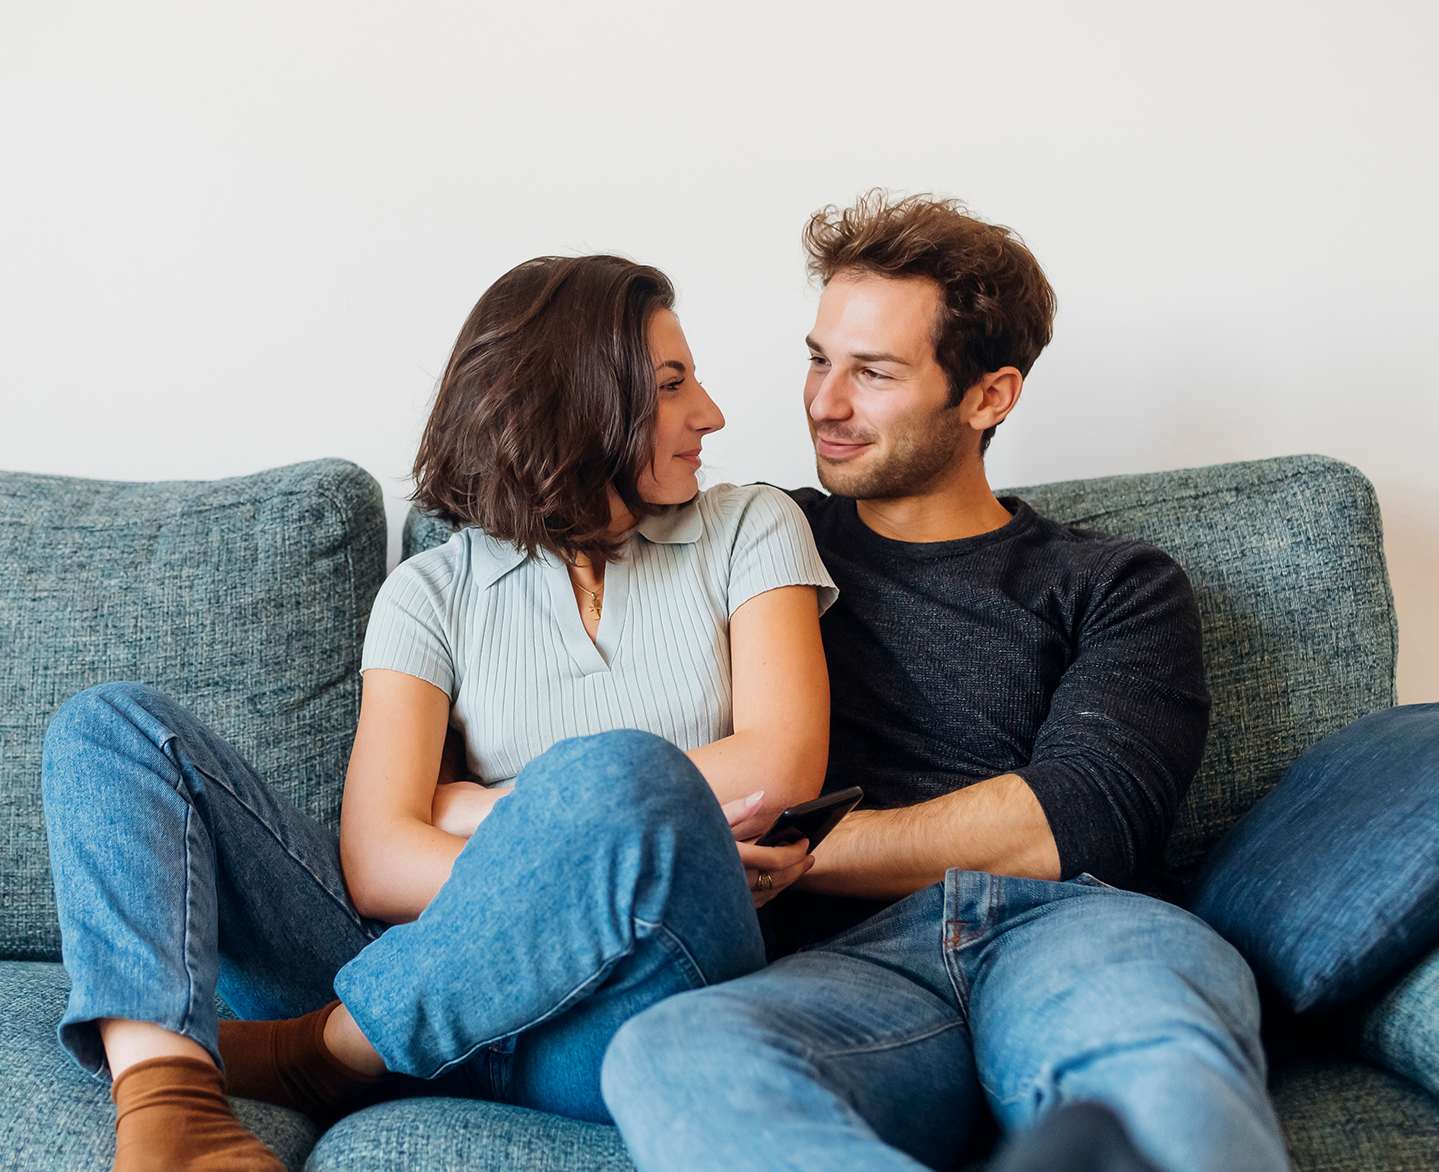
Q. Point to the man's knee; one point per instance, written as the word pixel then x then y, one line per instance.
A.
pixel 688 1039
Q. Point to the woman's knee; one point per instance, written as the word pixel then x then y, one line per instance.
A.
pixel 624 770
pixel 106 717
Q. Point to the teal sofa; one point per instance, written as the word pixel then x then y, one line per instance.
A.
pixel 247 599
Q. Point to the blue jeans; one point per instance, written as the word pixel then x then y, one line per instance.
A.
pixel 607 881
pixel 897 1044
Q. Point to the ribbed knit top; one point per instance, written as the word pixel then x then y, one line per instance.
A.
pixel 502 634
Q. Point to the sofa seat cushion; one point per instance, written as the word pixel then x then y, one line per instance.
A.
pixel 244 599
pixel 1343 1115
pixel 1330 885
pixel 56 1118
pixel 450 1135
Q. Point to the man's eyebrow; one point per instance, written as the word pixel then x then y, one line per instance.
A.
pixel 813 345
pixel 879 356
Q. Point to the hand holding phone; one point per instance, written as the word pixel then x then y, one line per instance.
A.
pixel 811 820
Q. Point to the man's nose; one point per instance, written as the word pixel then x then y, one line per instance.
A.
pixel 830 400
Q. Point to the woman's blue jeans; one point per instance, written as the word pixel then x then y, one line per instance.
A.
pixel 606 882
pixel 896 1046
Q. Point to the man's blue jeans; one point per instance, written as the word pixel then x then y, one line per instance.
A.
pixel 896 1044
pixel 607 881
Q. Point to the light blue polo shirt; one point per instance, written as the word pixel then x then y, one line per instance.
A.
pixel 502 635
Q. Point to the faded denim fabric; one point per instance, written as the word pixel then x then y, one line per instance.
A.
pixel 891 1045
pixel 607 881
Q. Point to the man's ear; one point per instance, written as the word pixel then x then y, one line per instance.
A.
pixel 992 398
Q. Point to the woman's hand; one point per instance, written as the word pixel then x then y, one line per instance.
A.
pixel 768 869
pixel 460 806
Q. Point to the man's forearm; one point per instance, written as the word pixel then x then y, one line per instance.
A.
pixel 995 825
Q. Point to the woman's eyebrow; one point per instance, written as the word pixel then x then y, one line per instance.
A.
pixel 673 364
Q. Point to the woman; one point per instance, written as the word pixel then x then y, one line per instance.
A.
pixel 596 590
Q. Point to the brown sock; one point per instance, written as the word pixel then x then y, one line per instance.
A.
pixel 172 1116
pixel 287 1063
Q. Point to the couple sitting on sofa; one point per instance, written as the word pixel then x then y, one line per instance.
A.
pixel 579 933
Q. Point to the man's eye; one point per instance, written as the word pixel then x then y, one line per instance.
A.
pixel 875 374
pixel 816 360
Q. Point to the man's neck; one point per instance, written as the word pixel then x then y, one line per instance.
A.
pixel 962 507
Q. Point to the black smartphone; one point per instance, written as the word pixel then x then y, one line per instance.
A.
pixel 811 820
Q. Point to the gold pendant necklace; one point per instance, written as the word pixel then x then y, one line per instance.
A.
pixel 595 598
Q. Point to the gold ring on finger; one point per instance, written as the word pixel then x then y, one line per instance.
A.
pixel 763 881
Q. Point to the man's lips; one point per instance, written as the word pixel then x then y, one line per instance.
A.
pixel 834 449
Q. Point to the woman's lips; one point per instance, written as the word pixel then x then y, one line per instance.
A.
pixel 692 458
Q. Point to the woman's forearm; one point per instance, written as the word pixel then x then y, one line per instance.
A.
pixel 394 875
pixel 788 767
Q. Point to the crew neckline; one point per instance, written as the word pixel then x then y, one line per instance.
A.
pixel 1021 520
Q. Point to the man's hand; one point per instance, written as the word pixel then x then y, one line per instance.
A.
pixel 768 869
pixel 460 806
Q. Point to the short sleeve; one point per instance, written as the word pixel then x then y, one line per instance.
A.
pixel 407 630
pixel 773 547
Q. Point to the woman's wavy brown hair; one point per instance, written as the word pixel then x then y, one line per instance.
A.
pixel 547 403
pixel 998 305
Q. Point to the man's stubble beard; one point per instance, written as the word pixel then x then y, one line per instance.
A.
pixel 919 457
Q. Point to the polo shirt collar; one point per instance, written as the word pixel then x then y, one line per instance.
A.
pixel 677 525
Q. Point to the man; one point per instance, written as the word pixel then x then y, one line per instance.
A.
pixel 1024 706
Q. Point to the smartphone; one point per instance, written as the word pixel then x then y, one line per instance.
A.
pixel 811 820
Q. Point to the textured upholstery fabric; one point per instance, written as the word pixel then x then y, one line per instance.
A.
pixel 1398 1025
pixel 245 599
pixel 460 1135
pixel 1340 1115
pixel 1352 898
pixel 1287 562
pixel 56 1118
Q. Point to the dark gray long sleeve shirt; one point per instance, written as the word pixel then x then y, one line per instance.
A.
pixel 1070 658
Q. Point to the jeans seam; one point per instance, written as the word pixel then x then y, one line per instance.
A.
pixel 343 903
pixel 888 1044
pixel 187 1019
pixel 697 978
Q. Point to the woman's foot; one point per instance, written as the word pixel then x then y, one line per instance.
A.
pixel 288 1063
pixel 173 1116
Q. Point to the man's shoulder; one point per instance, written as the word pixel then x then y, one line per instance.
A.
pixel 1093 551
pixel 811 501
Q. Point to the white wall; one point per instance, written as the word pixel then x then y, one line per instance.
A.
pixel 238 235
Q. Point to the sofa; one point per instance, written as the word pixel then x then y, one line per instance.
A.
pixel 247 599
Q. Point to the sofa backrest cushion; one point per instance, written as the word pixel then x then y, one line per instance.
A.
pixel 1286 557
pixel 245 599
